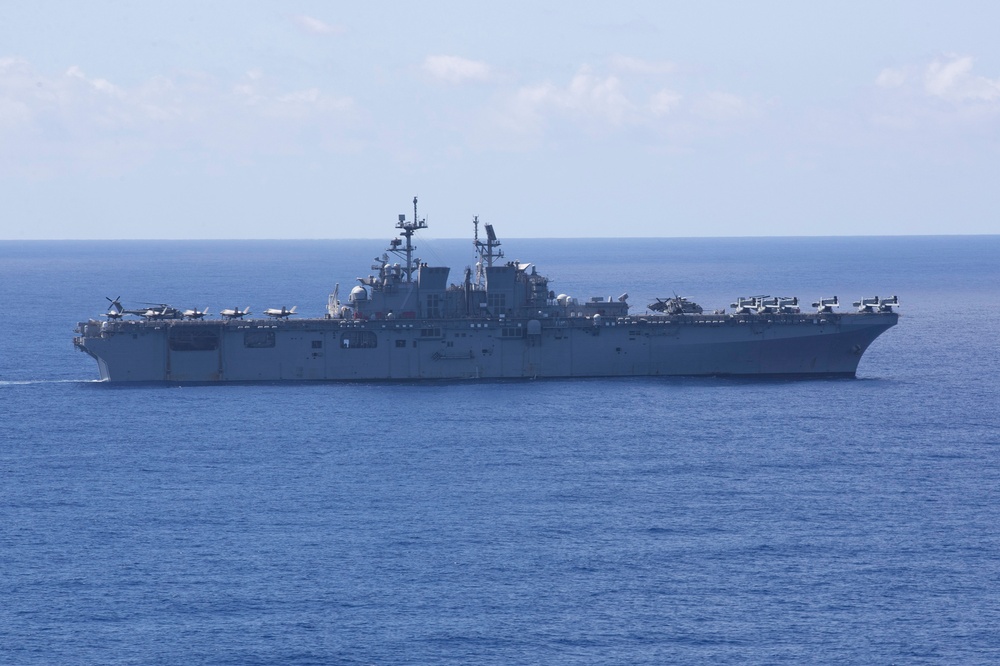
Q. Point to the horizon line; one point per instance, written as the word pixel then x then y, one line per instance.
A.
pixel 511 238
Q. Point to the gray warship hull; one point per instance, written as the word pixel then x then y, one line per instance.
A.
pixel 406 322
pixel 332 350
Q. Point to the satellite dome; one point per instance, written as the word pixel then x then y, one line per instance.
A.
pixel 358 294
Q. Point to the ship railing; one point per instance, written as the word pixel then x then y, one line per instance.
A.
pixel 746 317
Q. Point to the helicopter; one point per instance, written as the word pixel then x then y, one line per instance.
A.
pixel 280 314
pixel 157 311
pixel 876 304
pixel 115 310
pixel 675 306
pixel 152 311
pixel 826 305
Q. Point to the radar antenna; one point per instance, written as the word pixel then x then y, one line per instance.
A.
pixel 406 252
pixel 487 251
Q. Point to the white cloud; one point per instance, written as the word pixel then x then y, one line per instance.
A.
pixel 949 78
pixel 952 79
pixel 18 94
pixel 315 26
pixel 454 69
pixel 100 85
pixel 632 97
pixel 663 102
pixel 943 93
pixel 588 98
pixel 75 118
pixel 597 96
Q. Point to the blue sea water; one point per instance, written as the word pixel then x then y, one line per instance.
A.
pixel 560 522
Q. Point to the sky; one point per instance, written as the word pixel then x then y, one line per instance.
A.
pixel 308 119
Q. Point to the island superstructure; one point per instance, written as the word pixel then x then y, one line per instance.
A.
pixel 406 321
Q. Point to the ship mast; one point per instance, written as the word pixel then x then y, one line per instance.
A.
pixel 406 252
pixel 487 251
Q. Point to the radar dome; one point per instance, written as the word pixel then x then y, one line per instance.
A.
pixel 358 294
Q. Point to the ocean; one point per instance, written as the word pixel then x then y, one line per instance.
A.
pixel 619 521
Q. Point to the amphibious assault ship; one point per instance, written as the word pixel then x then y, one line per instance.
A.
pixel 405 321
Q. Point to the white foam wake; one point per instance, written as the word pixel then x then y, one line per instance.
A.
pixel 26 382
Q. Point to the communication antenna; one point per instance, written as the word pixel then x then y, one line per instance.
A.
pixel 487 251
pixel 407 229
